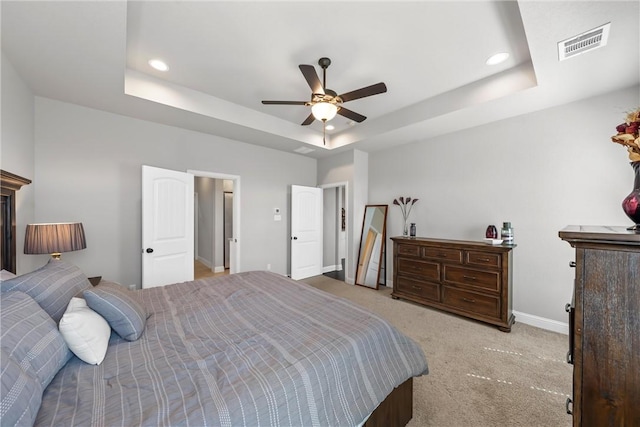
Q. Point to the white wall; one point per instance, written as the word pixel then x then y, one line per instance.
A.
pixel 205 188
pixel 351 167
pixel 541 171
pixel 17 154
pixel 88 169
pixel 329 227
pixel 334 169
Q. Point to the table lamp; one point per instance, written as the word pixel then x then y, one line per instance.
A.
pixel 54 238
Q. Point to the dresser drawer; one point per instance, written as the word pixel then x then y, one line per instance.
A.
pixel 409 250
pixel 483 280
pixel 483 259
pixel 484 305
pixel 430 291
pixel 422 269
pixel 448 254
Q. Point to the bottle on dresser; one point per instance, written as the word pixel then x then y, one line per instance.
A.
pixel 506 233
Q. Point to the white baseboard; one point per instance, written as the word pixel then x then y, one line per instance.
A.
pixel 532 320
pixel 219 269
pixel 542 322
pixel 329 268
pixel 206 262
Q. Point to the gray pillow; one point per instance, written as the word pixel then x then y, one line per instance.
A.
pixel 31 338
pixel 20 393
pixel 119 307
pixel 52 286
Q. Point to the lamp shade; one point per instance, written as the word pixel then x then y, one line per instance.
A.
pixel 324 111
pixel 54 238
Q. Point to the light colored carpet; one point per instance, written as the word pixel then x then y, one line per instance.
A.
pixel 478 376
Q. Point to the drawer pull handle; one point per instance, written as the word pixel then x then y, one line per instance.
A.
pixel 566 405
pixel 469 277
pixel 468 300
pixel 484 259
pixel 416 287
pixel 569 357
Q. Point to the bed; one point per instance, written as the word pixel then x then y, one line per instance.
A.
pixel 247 349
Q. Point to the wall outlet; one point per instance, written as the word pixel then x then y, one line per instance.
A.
pixel 133 287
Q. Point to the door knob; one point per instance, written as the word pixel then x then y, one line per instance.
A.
pixel 294 238
pixel 149 250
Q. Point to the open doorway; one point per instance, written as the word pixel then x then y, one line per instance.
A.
pixel 335 258
pixel 217 224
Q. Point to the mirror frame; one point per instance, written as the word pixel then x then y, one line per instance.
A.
pixel 383 245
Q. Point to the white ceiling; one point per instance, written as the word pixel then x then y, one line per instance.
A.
pixel 225 57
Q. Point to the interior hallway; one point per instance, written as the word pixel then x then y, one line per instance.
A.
pixel 200 271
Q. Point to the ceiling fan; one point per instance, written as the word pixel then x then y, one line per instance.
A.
pixel 325 103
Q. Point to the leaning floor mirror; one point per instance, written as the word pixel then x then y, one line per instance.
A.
pixel 371 255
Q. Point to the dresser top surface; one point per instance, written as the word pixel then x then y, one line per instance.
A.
pixel 463 244
pixel 600 233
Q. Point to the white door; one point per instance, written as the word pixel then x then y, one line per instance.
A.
pixel 306 231
pixel 167 226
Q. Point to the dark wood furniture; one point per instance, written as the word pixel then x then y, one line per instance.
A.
pixel 606 326
pixel 396 410
pixel 10 184
pixel 472 279
pixel 95 280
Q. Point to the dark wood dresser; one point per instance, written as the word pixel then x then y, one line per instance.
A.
pixel 472 279
pixel 605 335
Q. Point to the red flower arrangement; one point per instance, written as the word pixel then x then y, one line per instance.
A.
pixel 628 135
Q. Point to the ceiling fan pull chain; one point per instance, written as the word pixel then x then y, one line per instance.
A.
pixel 324 132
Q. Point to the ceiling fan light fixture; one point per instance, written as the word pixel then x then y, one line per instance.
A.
pixel 324 111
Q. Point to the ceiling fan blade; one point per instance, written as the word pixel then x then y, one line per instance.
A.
pixel 309 73
pixel 365 91
pixel 284 102
pixel 308 120
pixel 351 115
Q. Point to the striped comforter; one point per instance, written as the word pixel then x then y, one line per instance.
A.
pixel 246 349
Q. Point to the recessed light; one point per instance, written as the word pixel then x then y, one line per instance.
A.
pixel 159 64
pixel 497 58
pixel 330 127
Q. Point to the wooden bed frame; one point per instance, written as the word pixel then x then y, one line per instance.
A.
pixel 396 410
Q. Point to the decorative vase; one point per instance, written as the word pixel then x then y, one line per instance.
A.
pixel 405 229
pixel 631 203
pixel 491 233
pixel 412 230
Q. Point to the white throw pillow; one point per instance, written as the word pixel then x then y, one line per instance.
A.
pixel 6 275
pixel 85 331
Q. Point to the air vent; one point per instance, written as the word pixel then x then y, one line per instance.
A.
pixel 304 150
pixel 584 42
